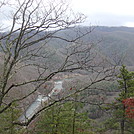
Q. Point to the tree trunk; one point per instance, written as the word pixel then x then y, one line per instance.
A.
pixel 122 125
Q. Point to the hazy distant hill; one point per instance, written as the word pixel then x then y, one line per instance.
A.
pixel 116 43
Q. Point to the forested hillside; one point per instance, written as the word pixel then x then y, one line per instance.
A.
pixel 115 43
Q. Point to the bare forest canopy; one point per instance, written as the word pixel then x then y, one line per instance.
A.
pixel 114 43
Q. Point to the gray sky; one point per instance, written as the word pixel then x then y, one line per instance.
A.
pixel 99 12
pixel 106 12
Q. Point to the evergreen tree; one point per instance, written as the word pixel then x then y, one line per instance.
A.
pixel 126 84
pixel 6 121
pixel 64 119
pixel 120 120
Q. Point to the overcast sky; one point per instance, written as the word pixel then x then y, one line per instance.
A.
pixel 106 12
pixel 101 12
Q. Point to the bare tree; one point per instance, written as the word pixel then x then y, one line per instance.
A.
pixel 34 24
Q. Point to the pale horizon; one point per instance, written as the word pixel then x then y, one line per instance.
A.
pixel 99 13
pixel 106 12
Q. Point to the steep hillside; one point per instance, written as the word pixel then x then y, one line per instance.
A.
pixel 115 43
pixel 112 43
pixel 21 75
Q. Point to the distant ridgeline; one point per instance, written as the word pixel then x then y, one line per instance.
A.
pixel 114 43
